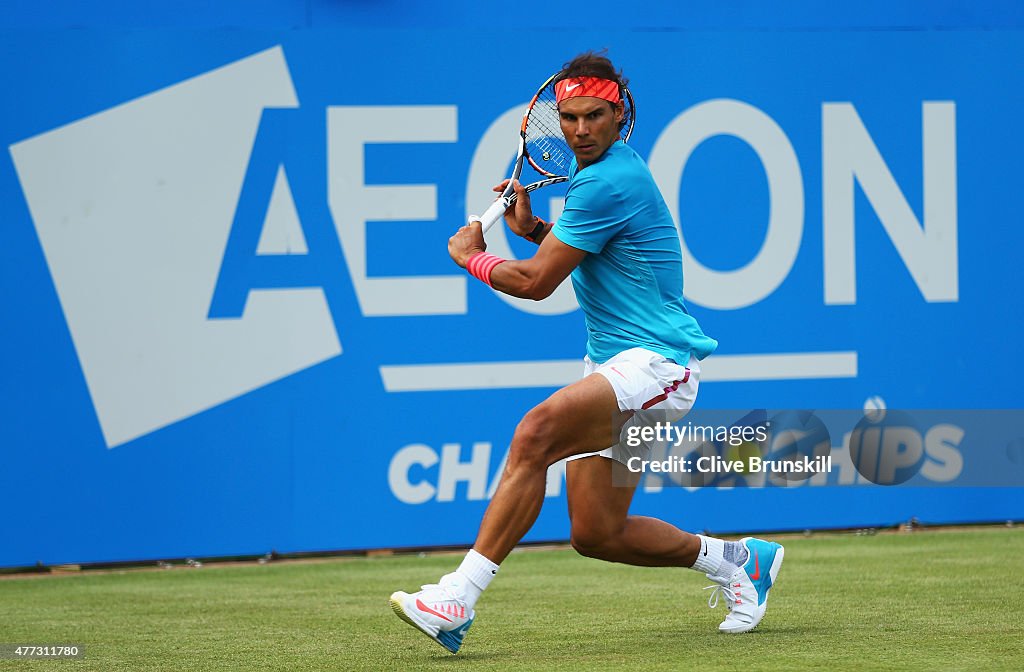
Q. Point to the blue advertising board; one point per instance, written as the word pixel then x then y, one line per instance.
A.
pixel 232 325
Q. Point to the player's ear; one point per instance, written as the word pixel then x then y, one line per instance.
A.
pixel 620 110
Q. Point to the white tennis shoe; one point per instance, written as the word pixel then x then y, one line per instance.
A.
pixel 436 612
pixel 745 592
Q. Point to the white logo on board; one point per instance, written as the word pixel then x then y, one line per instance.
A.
pixel 134 222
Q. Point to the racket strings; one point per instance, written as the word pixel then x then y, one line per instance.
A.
pixel 544 140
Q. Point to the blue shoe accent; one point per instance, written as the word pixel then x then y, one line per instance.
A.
pixel 452 639
pixel 759 564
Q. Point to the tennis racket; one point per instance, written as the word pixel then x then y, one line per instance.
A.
pixel 543 146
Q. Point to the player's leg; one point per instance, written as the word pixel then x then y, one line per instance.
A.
pixel 599 491
pixel 745 570
pixel 583 417
pixel 580 418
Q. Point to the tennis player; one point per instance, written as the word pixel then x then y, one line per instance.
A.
pixel 617 240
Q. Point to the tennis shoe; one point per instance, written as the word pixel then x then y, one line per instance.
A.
pixel 745 591
pixel 437 612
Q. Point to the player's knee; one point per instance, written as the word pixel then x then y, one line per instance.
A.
pixel 592 541
pixel 535 440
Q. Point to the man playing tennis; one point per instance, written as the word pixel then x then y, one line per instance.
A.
pixel 618 241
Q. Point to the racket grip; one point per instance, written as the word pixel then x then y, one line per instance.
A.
pixel 495 212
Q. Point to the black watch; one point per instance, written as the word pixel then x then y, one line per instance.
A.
pixel 537 230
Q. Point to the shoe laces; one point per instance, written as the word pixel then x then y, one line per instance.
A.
pixel 721 590
pixel 718 590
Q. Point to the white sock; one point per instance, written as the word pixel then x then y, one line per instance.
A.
pixel 709 559
pixel 477 572
pixel 718 557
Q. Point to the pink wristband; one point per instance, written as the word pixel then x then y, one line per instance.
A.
pixel 481 264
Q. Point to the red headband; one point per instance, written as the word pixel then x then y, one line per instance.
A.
pixel 594 87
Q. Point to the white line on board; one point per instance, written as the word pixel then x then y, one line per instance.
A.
pixel 561 372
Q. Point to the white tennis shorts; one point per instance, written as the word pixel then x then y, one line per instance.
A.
pixel 644 380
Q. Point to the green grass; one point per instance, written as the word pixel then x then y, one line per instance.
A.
pixel 931 600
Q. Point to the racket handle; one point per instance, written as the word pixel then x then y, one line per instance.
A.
pixel 495 212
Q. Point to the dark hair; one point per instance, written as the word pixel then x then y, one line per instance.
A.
pixel 593 64
pixel 596 64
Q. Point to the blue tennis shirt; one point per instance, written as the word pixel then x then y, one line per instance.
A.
pixel 630 285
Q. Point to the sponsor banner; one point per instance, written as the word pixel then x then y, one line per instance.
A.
pixel 232 325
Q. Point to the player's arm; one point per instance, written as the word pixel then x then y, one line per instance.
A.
pixel 535 278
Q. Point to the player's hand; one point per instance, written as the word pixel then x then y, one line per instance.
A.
pixel 519 216
pixel 466 242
